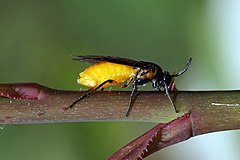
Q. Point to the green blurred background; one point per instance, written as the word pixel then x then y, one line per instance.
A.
pixel 37 37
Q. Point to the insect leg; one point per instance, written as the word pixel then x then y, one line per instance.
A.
pixel 128 82
pixel 118 84
pixel 95 89
pixel 167 93
pixel 89 93
pixel 132 98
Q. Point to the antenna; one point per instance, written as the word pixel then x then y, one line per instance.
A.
pixel 184 69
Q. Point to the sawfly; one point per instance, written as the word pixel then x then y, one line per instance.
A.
pixel 108 70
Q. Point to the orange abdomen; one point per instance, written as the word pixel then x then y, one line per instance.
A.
pixel 100 72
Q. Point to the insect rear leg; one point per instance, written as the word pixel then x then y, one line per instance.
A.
pixel 167 93
pixel 95 89
pixel 132 98
pixel 118 84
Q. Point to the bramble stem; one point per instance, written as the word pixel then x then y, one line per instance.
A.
pixel 38 104
pixel 199 112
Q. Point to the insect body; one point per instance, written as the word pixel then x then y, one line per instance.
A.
pixel 100 72
pixel 121 72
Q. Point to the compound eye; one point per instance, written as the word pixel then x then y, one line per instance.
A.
pixel 167 79
pixel 166 76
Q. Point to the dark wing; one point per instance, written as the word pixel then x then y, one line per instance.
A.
pixel 118 60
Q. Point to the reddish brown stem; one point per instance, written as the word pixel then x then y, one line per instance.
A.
pixel 162 135
pixel 200 112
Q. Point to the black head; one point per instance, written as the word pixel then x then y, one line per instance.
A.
pixel 164 80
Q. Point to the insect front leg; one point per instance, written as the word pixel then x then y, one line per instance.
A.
pixel 167 93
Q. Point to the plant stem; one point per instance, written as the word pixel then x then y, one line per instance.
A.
pixel 199 112
pixel 215 110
